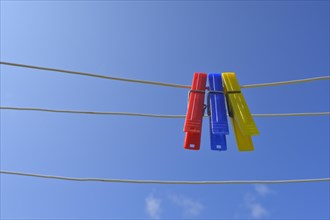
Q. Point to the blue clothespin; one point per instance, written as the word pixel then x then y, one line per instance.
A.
pixel 217 112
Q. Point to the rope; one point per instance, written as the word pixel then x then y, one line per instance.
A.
pixel 96 75
pixel 153 115
pixel 167 182
pixel 159 83
pixel 286 82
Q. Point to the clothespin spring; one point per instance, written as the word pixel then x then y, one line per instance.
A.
pixel 208 100
pixel 229 108
pixel 198 91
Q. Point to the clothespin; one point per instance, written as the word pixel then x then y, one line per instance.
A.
pixel 195 112
pixel 242 120
pixel 217 113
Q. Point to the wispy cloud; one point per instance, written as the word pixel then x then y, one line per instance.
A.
pixel 256 209
pixel 263 190
pixel 190 207
pixel 253 202
pixel 153 207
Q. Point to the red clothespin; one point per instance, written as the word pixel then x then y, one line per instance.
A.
pixel 195 112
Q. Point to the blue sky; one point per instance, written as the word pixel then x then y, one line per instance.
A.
pixel 161 41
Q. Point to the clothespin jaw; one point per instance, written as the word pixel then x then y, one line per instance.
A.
pixel 195 112
pixel 242 120
pixel 217 113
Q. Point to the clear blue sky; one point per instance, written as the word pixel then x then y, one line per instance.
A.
pixel 161 41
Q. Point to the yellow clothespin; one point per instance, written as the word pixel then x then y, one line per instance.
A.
pixel 241 118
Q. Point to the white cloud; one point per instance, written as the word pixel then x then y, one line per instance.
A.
pixel 191 208
pixel 252 202
pixel 153 207
pixel 262 189
pixel 256 209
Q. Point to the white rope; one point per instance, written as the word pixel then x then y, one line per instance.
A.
pixel 167 182
pixel 160 83
pixel 96 75
pixel 93 113
pixel 153 115
pixel 292 114
pixel 286 82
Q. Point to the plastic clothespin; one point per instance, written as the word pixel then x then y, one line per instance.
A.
pixel 217 113
pixel 242 120
pixel 195 112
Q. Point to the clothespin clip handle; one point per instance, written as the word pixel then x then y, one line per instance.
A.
pixel 217 112
pixel 195 112
pixel 238 110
